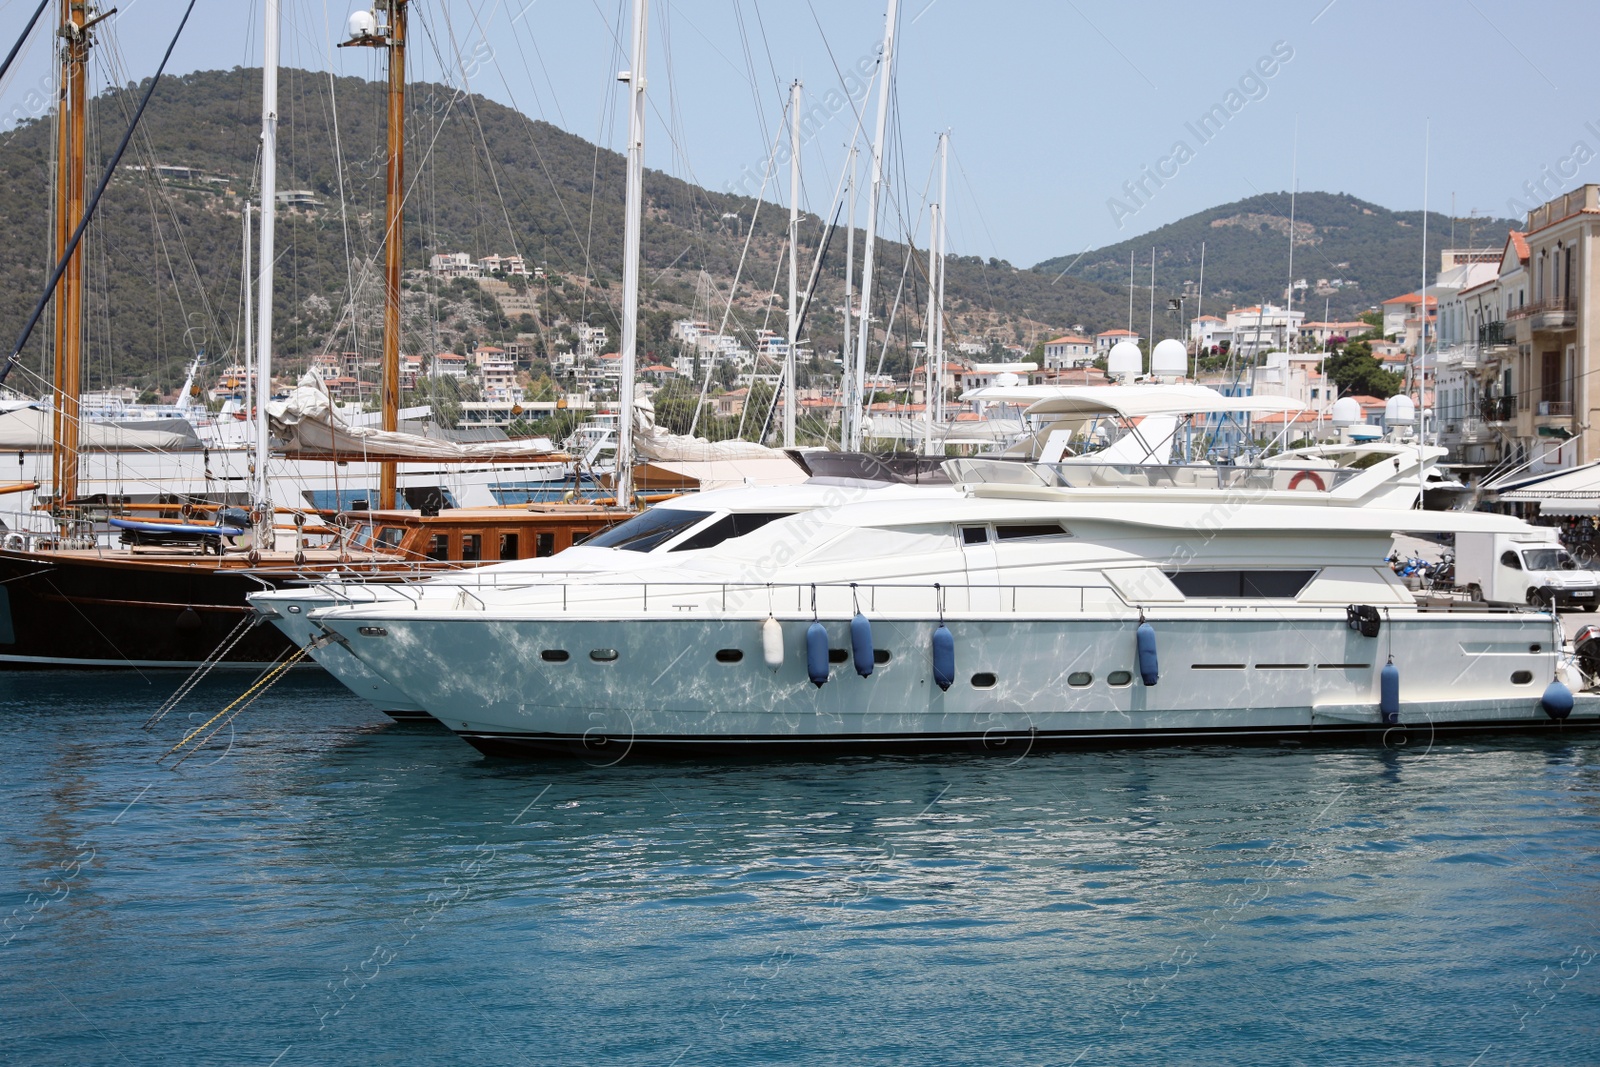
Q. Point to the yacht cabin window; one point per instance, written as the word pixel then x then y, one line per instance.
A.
pixel 1241 584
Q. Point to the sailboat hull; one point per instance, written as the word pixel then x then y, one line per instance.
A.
pixel 82 610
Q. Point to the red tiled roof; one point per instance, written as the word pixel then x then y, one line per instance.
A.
pixel 1410 298
pixel 1069 339
pixel 1519 241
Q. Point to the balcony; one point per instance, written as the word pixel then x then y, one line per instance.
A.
pixel 1492 334
pixel 1555 408
pixel 1554 314
pixel 1499 409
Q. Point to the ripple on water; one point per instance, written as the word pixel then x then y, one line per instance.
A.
pixel 355 891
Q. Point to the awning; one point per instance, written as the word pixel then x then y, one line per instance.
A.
pixel 1520 481
pixel 1577 485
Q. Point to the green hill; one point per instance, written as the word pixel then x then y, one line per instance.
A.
pixel 163 255
pixel 1376 252
pixel 164 252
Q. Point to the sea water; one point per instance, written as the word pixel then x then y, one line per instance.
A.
pixel 321 886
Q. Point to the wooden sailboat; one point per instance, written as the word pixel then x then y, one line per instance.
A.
pixel 175 596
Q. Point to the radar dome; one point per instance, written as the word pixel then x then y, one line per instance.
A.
pixel 1006 378
pixel 362 24
pixel 1124 360
pixel 1399 410
pixel 1346 412
pixel 1170 359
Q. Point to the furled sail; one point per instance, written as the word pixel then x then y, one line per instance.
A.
pixel 653 443
pixel 309 427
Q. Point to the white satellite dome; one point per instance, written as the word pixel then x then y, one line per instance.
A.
pixel 1124 360
pixel 1399 410
pixel 361 24
pixel 1006 378
pixel 1170 359
pixel 1346 412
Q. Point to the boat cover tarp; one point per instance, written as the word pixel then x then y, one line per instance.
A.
pixel 308 426
pixel 29 430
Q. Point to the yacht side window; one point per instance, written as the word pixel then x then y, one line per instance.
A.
pixel 974 535
pixel 727 528
pixel 1509 558
pixel 1030 531
pixel 1230 584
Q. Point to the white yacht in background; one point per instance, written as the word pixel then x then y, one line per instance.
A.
pixel 674 529
pixel 1050 603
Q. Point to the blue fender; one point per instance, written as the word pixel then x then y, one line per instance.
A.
pixel 1557 701
pixel 1149 662
pixel 817 654
pixel 944 657
pixel 861 644
pixel 1389 693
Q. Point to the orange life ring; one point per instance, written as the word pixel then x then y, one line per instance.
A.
pixel 1308 476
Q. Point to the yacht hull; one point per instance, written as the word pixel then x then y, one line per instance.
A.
pixel 291 616
pixel 671 684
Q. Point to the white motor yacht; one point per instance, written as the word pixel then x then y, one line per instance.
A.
pixel 674 529
pixel 1046 603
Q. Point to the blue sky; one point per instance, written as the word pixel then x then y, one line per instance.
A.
pixel 1053 108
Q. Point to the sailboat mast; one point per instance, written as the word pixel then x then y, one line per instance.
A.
pixel 251 386
pixel 864 332
pixel 264 261
pixel 71 101
pixel 930 381
pixel 847 360
pixel 790 394
pixel 938 320
pixel 635 79
pixel 394 245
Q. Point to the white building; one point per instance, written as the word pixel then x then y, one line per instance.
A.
pixel 1069 350
pixel 1104 340
pixel 451 265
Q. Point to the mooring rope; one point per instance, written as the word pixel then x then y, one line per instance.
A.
pixel 199 673
pixel 241 702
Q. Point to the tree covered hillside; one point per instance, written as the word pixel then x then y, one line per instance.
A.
pixel 1247 253
pixel 164 255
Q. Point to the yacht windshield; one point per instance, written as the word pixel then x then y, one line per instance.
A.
pixel 1546 559
pixel 648 530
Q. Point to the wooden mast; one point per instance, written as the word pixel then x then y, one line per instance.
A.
pixel 393 245
pixel 69 295
pixel 367 32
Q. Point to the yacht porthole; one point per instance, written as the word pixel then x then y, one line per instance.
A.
pixel 1119 678
pixel 554 655
pixel 294 609
pixel 1521 677
pixel 1080 679
pixel 1534 648
pixel 729 655
pixel 983 680
pixel 838 655
pixel 603 655
pixel 880 656
pixel 372 631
